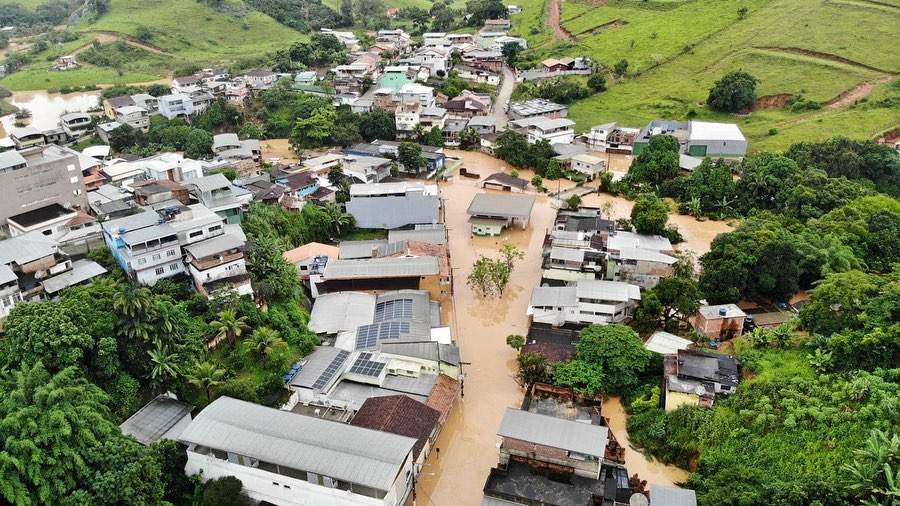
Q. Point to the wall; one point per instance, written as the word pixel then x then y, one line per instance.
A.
pixel 719 327
pixel 586 468
pixel 32 187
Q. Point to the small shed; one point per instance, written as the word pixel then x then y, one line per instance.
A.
pixel 504 182
pixel 164 417
pixel 491 212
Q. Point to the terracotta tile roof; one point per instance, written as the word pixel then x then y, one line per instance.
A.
pixel 443 396
pixel 81 218
pixel 398 414
pixel 553 351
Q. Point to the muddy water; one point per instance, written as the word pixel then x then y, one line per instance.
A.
pixel 46 108
pixel 652 471
pixel 278 150
pixel 468 440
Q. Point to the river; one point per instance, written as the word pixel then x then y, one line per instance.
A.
pixel 46 108
pixel 456 474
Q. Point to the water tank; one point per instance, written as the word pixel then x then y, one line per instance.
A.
pixel 723 311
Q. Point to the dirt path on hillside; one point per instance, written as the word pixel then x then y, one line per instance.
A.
pixel 553 14
pixel 110 37
pixel 823 56
pixel 859 91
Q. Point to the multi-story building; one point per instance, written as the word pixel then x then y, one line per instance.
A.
pixel 177 105
pixel 218 194
pixel 590 301
pixel 295 460
pixel 394 205
pixel 554 131
pixel 537 107
pixel 39 176
pixel 76 124
pixel 145 246
pixel 133 116
pixel 406 118
pixel 217 265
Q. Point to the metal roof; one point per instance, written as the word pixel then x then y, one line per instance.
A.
pixel 707 131
pixel 569 435
pixel 427 350
pixel 11 159
pixel 646 255
pixel 156 419
pixel 218 244
pixel 360 249
pixel 26 248
pixel 567 254
pixel 341 311
pixel 210 183
pixel 6 274
pixel 661 495
pixel 607 290
pixel 508 206
pixel 377 189
pixel 437 235
pixel 400 267
pixel 623 239
pixel 665 343
pixel 318 363
pixel 339 451
pixel 82 270
pixel 554 296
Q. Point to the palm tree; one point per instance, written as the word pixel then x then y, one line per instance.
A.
pixel 263 341
pixel 338 220
pixel 228 327
pixel 206 375
pixel 133 302
pixel 164 365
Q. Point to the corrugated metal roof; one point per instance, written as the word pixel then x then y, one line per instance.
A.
pixel 554 296
pixel 341 311
pixel 399 267
pixel 623 239
pixel 343 452
pixel 607 290
pixel 584 438
pixel 82 270
pixel 661 495
pixel 567 254
pixel 437 235
pixel 26 248
pixel 665 343
pixel 215 245
pixel 646 255
pixel 6 274
pixel 426 350
pixel 495 204
pixel 154 421
pixel 360 249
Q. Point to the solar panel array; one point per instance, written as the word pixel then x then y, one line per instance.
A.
pixel 399 309
pixel 331 370
pixel 367 336
pixel 366 367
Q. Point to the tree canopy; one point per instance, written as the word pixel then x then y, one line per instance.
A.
pixel 734 92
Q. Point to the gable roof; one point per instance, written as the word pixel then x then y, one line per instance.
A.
pixel 492 204
pixel 309 250
pixel 156 420
pixel 545 430
pixel 398 414
pixel 443 396
pixel 506 180
pixel 343 452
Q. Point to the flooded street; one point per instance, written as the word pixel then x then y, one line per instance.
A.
pixel 46 108
pixel 653 471
pixel 468 440
pixel 278 150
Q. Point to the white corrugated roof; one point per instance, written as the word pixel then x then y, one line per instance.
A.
pixel 607 290
pixel 665 343
pixel 340 311
pixel 705 131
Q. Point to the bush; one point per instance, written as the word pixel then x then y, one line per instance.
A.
pixel 224 491
pixel 734 92
pixel 597 82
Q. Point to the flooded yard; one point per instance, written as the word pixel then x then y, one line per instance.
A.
pixel 46 108
pixel 278 150
pixel 456 474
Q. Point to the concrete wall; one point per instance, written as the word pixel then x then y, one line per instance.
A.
pixel 41 184
pixel 586 468
pixel 719 327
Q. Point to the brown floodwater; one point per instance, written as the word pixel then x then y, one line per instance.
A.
pixel 46 108
pixel 278 150
pixel 468 441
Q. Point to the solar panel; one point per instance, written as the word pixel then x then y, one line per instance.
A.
pixel 399 309
pixel 332 369
pixel 365 366
pixel 367 336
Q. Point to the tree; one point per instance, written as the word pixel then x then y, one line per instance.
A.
pixel 621 67
pixel 225 491
pixel 584 378
pixel 734 92
pixel 510 254
pixel 853 159
pixel 274 279
pixel 713 188
pixel 206 375
pixel 537 182
pixel 313 131
pixel 347 12
pixel 480 10
pixel 617 352
pixel 263 342
pixel 597 82
pixel 489 276
pixel 649 215
pixel 533 368
pixel 763 179
pixel 469 139
pixel 656 163
pixel 875 470
pixel 869 225
pixel 553 171
pixel 512 147
pixel 37 331
pixel 410 156
pixel 574 201
pixel 679 296
pixel 742 13
pixel 510 52
pixel 54 430
pixel 377 124
pixel 435 137
pixel 163 366
pixel 515 342
pixel 228 327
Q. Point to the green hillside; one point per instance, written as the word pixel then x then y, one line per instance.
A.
pixel 677 49
pixel 183 33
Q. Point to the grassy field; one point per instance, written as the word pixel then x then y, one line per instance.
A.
pixel 186 31
pixel 677 49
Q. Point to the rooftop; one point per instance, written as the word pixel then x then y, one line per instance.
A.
pixel 341 311
pixel 343 452
pixel 661 495
pixel 41 215
pixel 607 290
pixel 398 414
pixel 156 420
pixel 708 367
pixel 721 311
pixel 26 248
pixel 507 206
pixel 572 436
pixel 382 268
pixel 310 250
pixel 534 107
pixel 705 131
pixel 665 343
pixel 506 180
pixel 81 271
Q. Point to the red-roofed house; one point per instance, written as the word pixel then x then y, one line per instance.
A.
pixel 402 415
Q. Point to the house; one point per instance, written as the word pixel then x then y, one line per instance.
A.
pixel 170 167
pixel 619 240
pixel 164 417
pixel 490 213
pixel 66 62
pixel 133 116
pixel 552 130
pixel 145 246
pixel 406 119
pixel 504 182
pixel 483 124
pixel 724 321
pixel 112 103
pixel 218 266
pixel 612 138
pixel 229 147
pixel 218 194
pixel 589 301
pixel 491 61
pixel 589 165
pixel 502 41
pixel 661 495
pixel 498 25
pixel 453 129
pixel 436 58
pixel 26 137
pixel 537 107
pixel 715 140
pixel 412 92
pixel 435 39
pixel 148 102
pixel 56 222
pixel 337 312
pixel 183 83
pixel 382 274
pixel 578 447
pixel 394 205
pixel 300 185
pixel 104 130
pixel 366 169
pixel 695 378
pixel 177 105
pixel 431 356
pixel 348 39
pixel 36 177
pixel 431 117
pixel 404 416
pixel 76 124
pixel 434 156
pixel 295 460
pixel 311 258
pixel 477 75
pixel 307 77
pixel 260 79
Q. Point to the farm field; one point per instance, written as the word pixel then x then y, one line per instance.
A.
pixel 676 50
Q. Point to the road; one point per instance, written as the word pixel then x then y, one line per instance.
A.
pixel 503 96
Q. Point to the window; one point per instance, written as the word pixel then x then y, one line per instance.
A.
pixel 141 261
pixel 215 228
pixel 173 267
pixel 195 234
pixel 157 256
pixel 160 271
pixel 170 253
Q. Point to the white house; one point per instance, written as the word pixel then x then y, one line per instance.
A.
pixel 715 139
pixel 406 118
pixel 295 460
pixel 134 116
pixel 260 79
pixel 589 165
pixel 176 105
pixel 218 265
pixel 412 92
pixel 554 131
pixel 590 301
